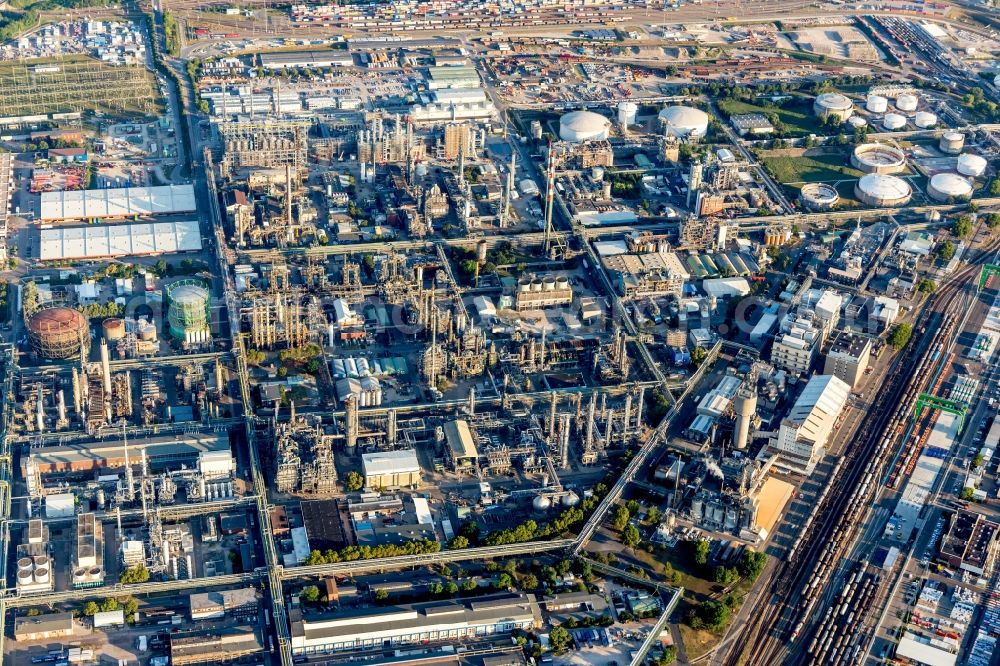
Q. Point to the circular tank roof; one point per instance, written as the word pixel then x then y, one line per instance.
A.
pixel 893 121
pixel 188 293
pixel 971 165
pixel 834 101
pixel 583 125
pixel 925 119
pixel 949 185
pixel 884 187
pixel 57 320
pixel 684 120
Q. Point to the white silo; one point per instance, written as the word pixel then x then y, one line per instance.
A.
pixel 745 406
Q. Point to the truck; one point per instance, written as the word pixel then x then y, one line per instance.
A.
pixel 141 644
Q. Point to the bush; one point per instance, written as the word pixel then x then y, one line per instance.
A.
pixel 354 481
pixel 900 335
pixel 139 574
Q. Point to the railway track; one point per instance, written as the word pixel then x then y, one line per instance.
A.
pixel 855 479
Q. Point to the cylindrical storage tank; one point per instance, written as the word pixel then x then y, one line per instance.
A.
pixel 579 126
pixel 907 102
pixel 541 503
pixel 40 561
pixel 819 196
pixel 948 186
pixel 894 121
pixel 683 122
pixel 878 158
pixel 833 105
pixel 147 332
pixel 971 165
pixel 626 113
pixel 25 564
pixel 114 329
pixel 877 104
pixel 79 576
pixel 697 506
pixel 925 119
pixel 882 191
pixel 25 577
pixel 58 332
pixel 857 121
pixel 187 312
pixel 42 575
pixel 549 284
pixel 952 143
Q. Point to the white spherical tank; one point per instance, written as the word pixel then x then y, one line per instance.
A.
pixel 683 122
pixel 541 503
pixel 833 105
pixel 907 102
pixel 570 499
pixel 952 143
pixel 580 126
pixel 894 121
pixel 971 165
pixel 626 113
pixel 925 119
pixel 882 190
pixel 947 186
pixel 877 104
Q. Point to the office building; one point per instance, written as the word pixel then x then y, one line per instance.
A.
pixel 848 357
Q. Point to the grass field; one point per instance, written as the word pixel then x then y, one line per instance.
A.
pixel 796 114
pixel 828 168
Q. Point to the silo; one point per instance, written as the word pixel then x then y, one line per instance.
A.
pixel 745 406
pixel 114 329
pixel 626 113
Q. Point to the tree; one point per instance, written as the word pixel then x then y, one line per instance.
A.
pixel 381 594
pixel 699 551
pixel 993 220
pixel 458 543
pixel 469 585
pixel 926 286
pixel 354 481
pixel 946 250
pixel 137 574
pixel 451 588
pixel 967 494
pixel 621 518
pixel 698 355
pixel 962 227
pixel 529 582
pixel 653 515
pixel 633 507
pixel 751 563
pixel 560 640
pixel 900 335
pixel 310 594
pixel 504 582
pixel 130 607
pixel 630 536
pixel 715 615
pixel 91 608
pixel 995 187
pixel 726 575
pixel 109 604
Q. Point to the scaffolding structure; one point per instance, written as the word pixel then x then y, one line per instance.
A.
pixel 76 86
pixel 264 144
pixel 304 456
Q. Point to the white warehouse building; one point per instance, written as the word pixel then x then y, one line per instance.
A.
pixel 804 433
pixel 415 624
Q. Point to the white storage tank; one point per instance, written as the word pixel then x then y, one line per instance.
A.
pixel 907 102
pixel 952 143
pixel 894 121
pixel 833 105
pixel 877 104
pixel 948 186
pixel 683 122
pixel 541 503
pixel 925 119
pixel 882 190
pixel 971 165
pixel 626 113
pixel 857 121
pixel 42 575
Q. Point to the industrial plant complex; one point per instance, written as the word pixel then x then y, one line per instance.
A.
pixel 497 335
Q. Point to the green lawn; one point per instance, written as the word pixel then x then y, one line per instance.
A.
pixel 796 114
pixel 829 168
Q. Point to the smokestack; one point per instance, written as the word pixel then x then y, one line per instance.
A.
pixel 61 404
pixel 391 428
pixel 626 414
pixel 106 369
pixel 552 415
pixel 638 408
pixel 472 401
pixel 745 405
pixel 76 391
pixel 40 411
pixel 588 441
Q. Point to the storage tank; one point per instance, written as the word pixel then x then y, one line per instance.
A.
pixel 570 499
pixel 58 332
pixel 147 332
pixel 907 102
pixel 894 121
pixel 626 113
pixel 697 507
pixel 579 126
pixel 857 121
pixel 187 312
pixel 683 122
pixel 971 165
pixel 952 143
pixel 877 104
pixel 878 158
pixel 925 119
pixel 833 105
pixel 79 576
pixel 42 575
pixel 541 503
pixel 25 577
pixel 114 329
pixel 882 190
pixel 948 186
